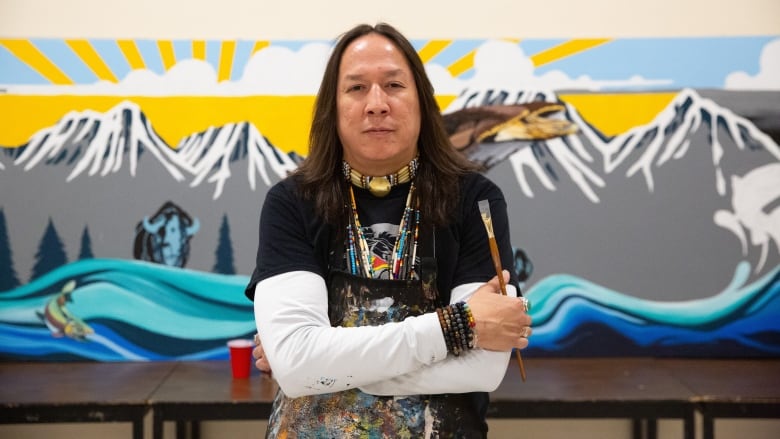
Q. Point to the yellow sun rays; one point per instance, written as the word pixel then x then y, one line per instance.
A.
pixel 199 50
pixel 563 50
pixel 432 48
pixel 26 51
pixel 260 45
pixel 132 54
pixel 226 53
pixel 555 53
pixel 84 50
pixel 167 54
pixel 226 59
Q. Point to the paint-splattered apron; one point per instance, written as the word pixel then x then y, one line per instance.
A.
pixel 357 301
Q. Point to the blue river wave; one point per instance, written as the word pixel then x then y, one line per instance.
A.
pixel 139 311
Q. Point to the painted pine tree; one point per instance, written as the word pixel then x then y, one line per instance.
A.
pixel 224 254
pixel 8 279
pixel 86 245
pixel 51 253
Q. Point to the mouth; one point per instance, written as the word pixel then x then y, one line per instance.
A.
pixel 378 130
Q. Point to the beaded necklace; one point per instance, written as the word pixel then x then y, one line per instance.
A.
pixel 360 258
pixel 380 185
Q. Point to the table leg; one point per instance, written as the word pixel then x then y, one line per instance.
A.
pixel 651 428
pixel 138 429
pixel 689 424
pixel 708 427
pixel 181 429
pixel 157 424
pixel 636 428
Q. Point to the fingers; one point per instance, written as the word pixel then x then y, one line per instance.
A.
pixel 261 362
pixel 263 365
pixel 525 331
pixel 258 352
pixel 522 343
pixel 526 304
pixel 520 329
pixel 501 322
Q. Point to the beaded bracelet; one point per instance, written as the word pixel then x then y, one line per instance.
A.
pixel 457 324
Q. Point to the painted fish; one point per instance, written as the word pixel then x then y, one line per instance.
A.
pixel 60 321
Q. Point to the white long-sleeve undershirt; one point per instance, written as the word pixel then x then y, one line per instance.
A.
pixel 308 356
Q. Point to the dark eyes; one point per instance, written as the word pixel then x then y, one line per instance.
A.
pixel 359 87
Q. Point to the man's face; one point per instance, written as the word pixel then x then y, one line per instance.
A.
pixel 378 108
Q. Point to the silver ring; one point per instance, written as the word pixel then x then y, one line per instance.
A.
pixel 526 304
pixel 526 332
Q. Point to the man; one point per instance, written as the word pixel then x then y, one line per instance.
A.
pixel 375 294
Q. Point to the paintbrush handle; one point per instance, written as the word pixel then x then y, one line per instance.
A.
pixel 520 363
pixel 500 274
pixel 484 210
pixel 497 263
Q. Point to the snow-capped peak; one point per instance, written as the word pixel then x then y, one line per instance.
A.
pixel 668 136
pixel 99 142
pixel 209 155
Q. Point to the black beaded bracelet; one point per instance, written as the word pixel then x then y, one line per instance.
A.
pixel 457 325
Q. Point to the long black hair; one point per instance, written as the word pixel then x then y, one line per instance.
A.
pixel 440 165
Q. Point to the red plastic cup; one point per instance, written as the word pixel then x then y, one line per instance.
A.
pixel 240 357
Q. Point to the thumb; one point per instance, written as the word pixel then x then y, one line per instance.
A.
pixel 495 282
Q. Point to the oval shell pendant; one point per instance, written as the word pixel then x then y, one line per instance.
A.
pixel 379 186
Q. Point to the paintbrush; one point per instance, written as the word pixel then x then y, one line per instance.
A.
pixel 484 210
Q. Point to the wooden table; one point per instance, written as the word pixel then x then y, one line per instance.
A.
pixel 79 392
pixel 733 388
pixel 640 389
pixel 632 388
pixel 205 390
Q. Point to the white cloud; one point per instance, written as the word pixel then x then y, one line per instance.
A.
pixel 768 76
pixel 280 71
pixel 184 78
pixel 501 64
pixel 271 71
pixel 277 70
pixel 504 65
pixel 443 81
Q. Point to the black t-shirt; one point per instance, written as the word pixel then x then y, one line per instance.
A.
pixel 294 238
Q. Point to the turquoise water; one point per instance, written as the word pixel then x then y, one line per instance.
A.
pixel 145 312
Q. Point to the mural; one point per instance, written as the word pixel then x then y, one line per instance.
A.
pixel 642 177
pixel 165 238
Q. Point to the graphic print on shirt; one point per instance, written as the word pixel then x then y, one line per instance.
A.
pixel 381 240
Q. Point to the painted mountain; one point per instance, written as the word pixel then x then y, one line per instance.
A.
pixel 684 210
pixel 660 241
pixel 99 144
pixel 694 149
pixel 107 171
pixel 586 158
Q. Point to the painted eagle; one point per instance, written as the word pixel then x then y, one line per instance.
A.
pixel 489 134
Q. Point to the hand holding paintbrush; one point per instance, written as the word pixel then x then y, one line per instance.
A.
pixel 484 210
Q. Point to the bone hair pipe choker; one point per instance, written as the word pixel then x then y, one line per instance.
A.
pixel 380 185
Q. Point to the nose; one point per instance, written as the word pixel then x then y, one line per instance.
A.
pixel 377 101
